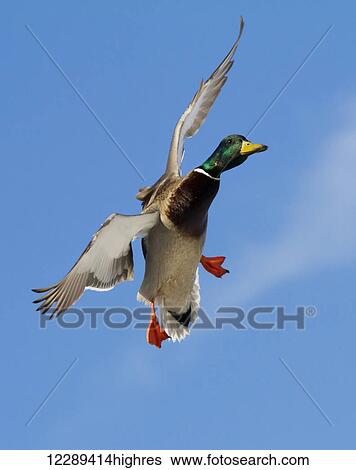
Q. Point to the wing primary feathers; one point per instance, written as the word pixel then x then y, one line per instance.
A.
pixel 45 289
pixel 106 261
pixel 198 109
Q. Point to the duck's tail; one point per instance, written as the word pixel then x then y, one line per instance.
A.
pixel 177 323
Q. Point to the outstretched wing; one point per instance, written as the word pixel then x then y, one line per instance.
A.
pixel 106 261
pixel 198 109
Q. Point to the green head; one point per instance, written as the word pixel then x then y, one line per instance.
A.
pixel 232 151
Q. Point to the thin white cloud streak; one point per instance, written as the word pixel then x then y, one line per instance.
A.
pixel 321 230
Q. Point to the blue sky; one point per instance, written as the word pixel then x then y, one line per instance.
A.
pixel 285 221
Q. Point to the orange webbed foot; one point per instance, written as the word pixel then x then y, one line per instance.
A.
pixel 214 265
pixel 154 334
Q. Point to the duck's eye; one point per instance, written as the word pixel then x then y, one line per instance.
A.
pixel 229 141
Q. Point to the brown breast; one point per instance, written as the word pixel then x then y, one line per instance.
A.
pixel 189 202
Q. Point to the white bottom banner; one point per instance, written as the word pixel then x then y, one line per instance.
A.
pixel 171 459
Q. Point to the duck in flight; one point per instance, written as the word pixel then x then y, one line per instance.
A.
pixel 172 226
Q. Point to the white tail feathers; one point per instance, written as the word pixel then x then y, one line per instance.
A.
pixel 174 329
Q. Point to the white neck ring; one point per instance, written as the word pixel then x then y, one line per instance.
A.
pixel 200 170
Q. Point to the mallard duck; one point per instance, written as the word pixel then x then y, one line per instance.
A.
pixel 172 226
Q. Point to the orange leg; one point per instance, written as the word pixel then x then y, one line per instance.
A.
pixel 154 334
pixel 214 265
